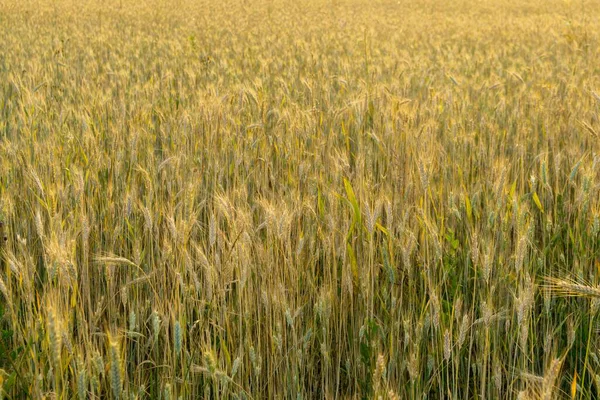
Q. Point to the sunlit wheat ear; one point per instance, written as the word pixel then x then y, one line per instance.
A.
pixel 550 377
pixel 38 182
pixel 148 223
pixel 543 387
pixel 6 294
pixel 155 326
pixel 256 361
pixel 447 345
pixel 124 295
pixel 173 229
pixel 212 230
pixel 379 372
pixel 132 321
pixel 195 280
pixel 39 224
pixel 15 265
pixel 413 366
pixel 236 366
pixel 424 176
pixel 54 336
pixel 393 395
pixel 66 340
pixel 210 362
pixel 524 334
pixel 465 325
pixel 497 377
pixel 458 305
pixel 177 338
pixel 527 395
pixel 85 236
pixel 568 287
pixel 487 265
pixel 523 304
pixel 370 219
pixel 389 214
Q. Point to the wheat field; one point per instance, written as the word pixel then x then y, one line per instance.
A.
pixel 311 199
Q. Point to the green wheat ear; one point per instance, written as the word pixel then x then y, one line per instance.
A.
pixel 116 378
pixel 81 380
pixel 177 338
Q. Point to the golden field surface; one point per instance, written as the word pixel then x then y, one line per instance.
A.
pixel 300 199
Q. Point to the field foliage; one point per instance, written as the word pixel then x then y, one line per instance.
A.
pixel 300 199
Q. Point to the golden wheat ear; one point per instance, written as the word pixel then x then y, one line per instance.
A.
pixel 543 387
pixel 569 287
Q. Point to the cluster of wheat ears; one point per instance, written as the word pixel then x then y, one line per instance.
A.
pixel 299 199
